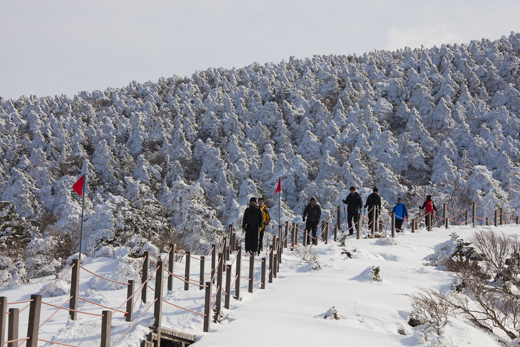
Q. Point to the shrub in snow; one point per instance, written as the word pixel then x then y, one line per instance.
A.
pixel 486 288
pixel 371 274
pixel 308 255
pixel 374 275
pixel 387 241
pixel 331 313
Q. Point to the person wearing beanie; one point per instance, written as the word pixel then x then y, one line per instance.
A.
pixel 401 214
pixel 312 213
pixel 267 219
pixel 252 224
pixel 429 207
pixel 354 206
pixel 373 202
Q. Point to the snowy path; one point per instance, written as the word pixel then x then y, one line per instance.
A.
pixel 286 312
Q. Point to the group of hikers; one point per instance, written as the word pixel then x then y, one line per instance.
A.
pixel 256 218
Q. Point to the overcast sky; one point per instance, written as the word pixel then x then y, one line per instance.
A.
pixel 63 47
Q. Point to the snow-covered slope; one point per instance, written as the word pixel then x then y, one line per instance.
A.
pixel 184 155
pixel 291 311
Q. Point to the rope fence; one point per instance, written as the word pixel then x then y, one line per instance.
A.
pixel 378 219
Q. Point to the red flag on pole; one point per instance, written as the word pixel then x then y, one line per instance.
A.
pixel 279 187
pixel 78 186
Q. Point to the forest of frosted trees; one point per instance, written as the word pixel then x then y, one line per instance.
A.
pixel 184 155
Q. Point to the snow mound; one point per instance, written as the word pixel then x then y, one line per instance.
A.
pixel 443 252
pixel 331 313
pixel 387 241
pixel 126 268
pixel 62 287
pixel 370 274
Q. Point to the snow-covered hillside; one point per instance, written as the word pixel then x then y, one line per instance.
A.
pixel 185 155
pixel 291 311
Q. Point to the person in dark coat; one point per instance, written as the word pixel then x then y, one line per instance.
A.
pixel 354 206
pixel 313 214
pixel 373 202
pixel 252 224
pixel 401 214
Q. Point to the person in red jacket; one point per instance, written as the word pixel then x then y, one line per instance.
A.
pixel 429 206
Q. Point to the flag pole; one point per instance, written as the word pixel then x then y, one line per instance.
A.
pixel 280 208
pixel 82 212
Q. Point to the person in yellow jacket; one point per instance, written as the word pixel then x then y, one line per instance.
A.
pixel 266 222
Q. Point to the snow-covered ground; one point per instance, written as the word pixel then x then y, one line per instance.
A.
pixel 290 311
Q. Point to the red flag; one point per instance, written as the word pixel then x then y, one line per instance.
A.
pixel 279 187
pixel 78 186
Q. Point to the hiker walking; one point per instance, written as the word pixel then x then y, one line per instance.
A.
pixel 313 214
pixel 267 219
pixel 429 210
pixel 401 214
pixel 354 206
pixel 252 224
pixel 373 202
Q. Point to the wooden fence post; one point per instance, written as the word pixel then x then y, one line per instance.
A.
pixel 474 215
pixel 467 217
pixel 393 224
pixel 413 225
pixel 496 218
pixel 224 248
pixel 338 223
pixel 279 250
pixel 264 260
pixel 239 272
pixel 144 277
pixel 358 226
pixel 271 267
pixel 445 215
pixel 187 271
pixel 171 264
pixel 326 235
pixel 487 221
pixel 129 315
pixel 74 289
pixel 106 328
pixel 517 219
pixel 34 319
pixel 202 263
pixel 157 312
pixel 429 221
pixel 230 227
pixel 207 308
pixel 275 265
pixel 227 299
pixel 501 216
pixel 286 235
pixel 213 262
pixel 3 316
pixel 294 235
pixel 305 236
pixel 251 273
pixel 373 220
pixel 14 323
pixel 218 299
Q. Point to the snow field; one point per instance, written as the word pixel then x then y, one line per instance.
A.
pixel 289 311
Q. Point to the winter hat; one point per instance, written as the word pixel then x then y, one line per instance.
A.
pixel 375 189
pixel 352 188
pixel 252 199
pixel 399 200
pixel 313 198
pixel 260 199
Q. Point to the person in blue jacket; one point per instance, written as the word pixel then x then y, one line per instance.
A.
pixel 401 214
